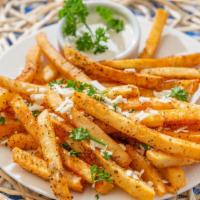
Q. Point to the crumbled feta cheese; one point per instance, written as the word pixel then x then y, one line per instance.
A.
pixel 65 106
pixel 95 145
pixel 153 112
pixel 164 93
pixel 97 85
pixel 129 172
pixel 122 146
pixel 182 129
pixel 65 92
pixel 144 99
pixel 119 99
pixel 165 99
pixel 130 70
pixel 38 98
pixel 126 113
pixel 141 115
pixel 33 107
pixel 30 90
pixel 132 174
pixel 53 115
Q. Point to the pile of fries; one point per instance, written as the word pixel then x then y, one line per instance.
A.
pixel 132 128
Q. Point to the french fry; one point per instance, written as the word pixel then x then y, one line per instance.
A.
pixel 146 92
pixel 64 67
pixel 139 163
pixel 5 97
pixel 31 65
pixel 22 141
pixel 124 90
pixel 173 72
pixel 190 60
pixel 118 154
pixel 58 178
pixel 48 73
pixel 175 176
pixel 21 87
pixel 163 160
pixel 25 116
pixel 189 85
pixel 91 67
pixel 154 37
pixel 135 130
pixel 39 167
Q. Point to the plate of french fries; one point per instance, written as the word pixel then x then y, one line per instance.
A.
pixel 71 127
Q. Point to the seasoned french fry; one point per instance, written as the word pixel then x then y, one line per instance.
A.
pixel 163 160
pixel 124 90
pixel 58 178
pixel 146 92
pixel 175 176
pixel 22 141
pixel 25 116
pixel 136 130
pixel 91 67
pixel 155 34
pixel 173 72
pixel 189 60
pixel 150 173
pixel 118 154
pixel 21 87
pixel 48 73
pixel 5 97
pixel 39 167
pixel 64 67
pixel 31 65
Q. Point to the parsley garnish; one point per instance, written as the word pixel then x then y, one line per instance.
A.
pixel 81 133
pixel 36 113
pixel 56 82
pixel 2 120
pixel 179 94
pixel 85 42
pixel 99 174
pixel 107 155
pixel 108 16
pixel 97 196
pixel 74 153
pixel 146 147
pixel 115 105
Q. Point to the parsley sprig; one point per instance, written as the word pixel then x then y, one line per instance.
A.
pixel 107 155
pixel 2 120
pixel 179 94
pixel 81 133
pixel 99 174
pixel 107 15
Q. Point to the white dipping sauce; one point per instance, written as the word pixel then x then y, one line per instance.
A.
pixel 117 42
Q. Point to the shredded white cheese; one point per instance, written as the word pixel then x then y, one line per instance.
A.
pixel 130 70
pixel 65 106
pixel 98 85
pixel 53 115
pixel 38 98
pixel 126 113
pixel 165 181
pixel 144 99
pixel 141 116
pixel 65 92
pixel 30 90
pixel 134 174
pixel 153 112
pixel 34 107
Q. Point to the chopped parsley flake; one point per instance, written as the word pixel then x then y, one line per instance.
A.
pixel 179 94
pixel 74 153
pixel 146 147
pixel 107 155
pixel 36 113
pixel 56 82
pixel 2 120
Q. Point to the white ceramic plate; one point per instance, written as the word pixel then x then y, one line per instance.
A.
pixel 173 42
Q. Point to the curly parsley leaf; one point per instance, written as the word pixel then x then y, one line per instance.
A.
pixel 179 94
pixel 85 42
pixel 107 15
pixel 99 174
pixel 2 120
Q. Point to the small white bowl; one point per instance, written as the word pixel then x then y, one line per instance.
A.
pixel 132 50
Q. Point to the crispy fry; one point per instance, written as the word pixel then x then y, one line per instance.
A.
pixel 173 72
pixel 91 67
pixel 146 92
pixel 118 154
pixel 136 130
pixel 31 65
pixel 48 73
pixel 22 141
pixel 39 167
pixel 58 178
pixel 150 173
pixel 25 116
pixel 21 87
pixel 189 60
pixel 175 176
pixel 163 160
pixel 5 97
pixel 64 67
pixel 154 37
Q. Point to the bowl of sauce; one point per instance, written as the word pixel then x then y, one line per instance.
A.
pixel 122 41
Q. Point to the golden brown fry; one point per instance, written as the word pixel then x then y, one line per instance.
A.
pixel 47 138
pixel 163 160
pixel 150 173
pixel 146 92
pixel 135 130
pixel 25 116
pixel 22 141
pixel 31 65
pixel 189 60
pixel 118 154
pixel 173 72
pixel 5 97
pixel 64 67
pixel 123 90
pixel 39 167
pixel 154 37
pixel 175 176
pixel 48 73
pixel 22 87
pixel 91 67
